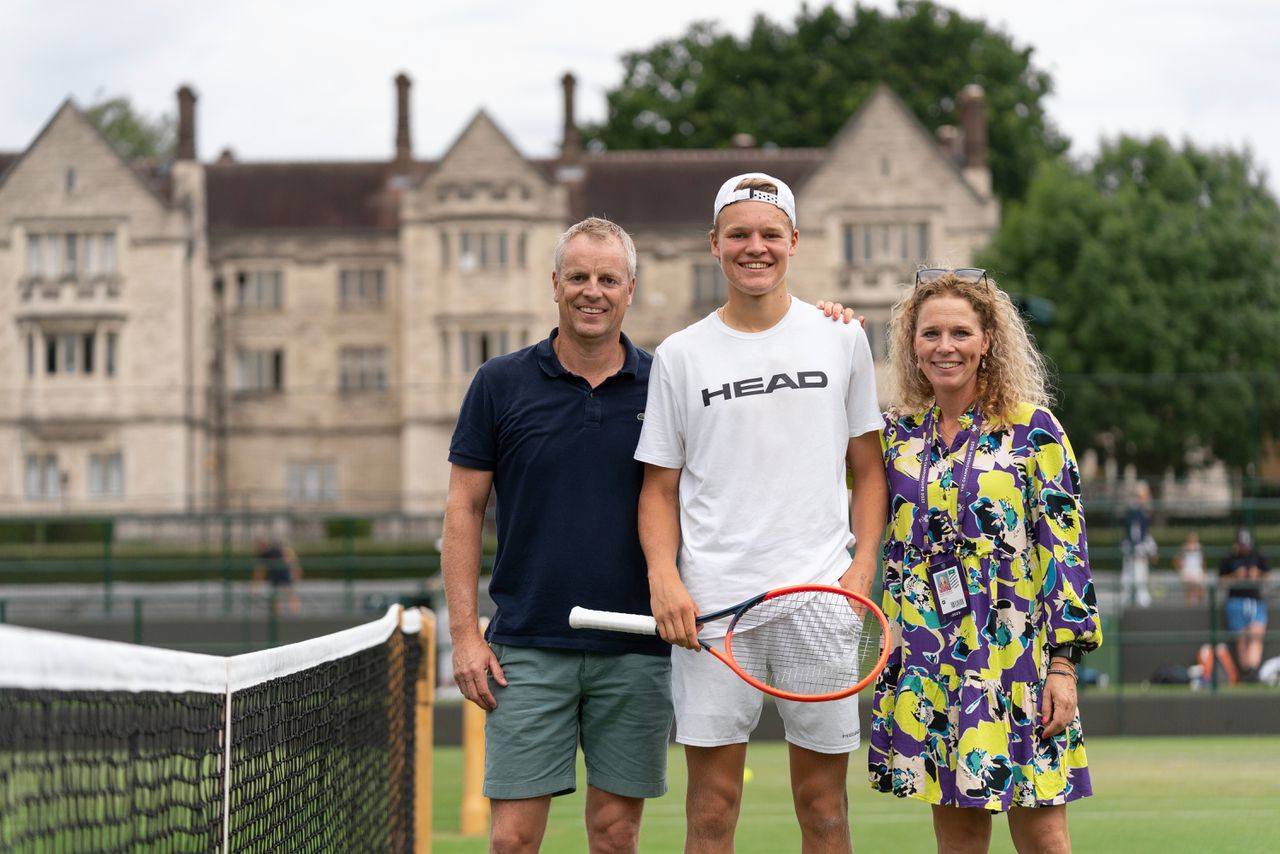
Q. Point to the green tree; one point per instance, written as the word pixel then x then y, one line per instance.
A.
pixel 134 135
pixel 1164 268
pixel 798 85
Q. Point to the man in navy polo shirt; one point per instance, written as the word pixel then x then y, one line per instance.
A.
pixel 553 428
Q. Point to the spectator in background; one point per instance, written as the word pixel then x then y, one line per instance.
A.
pixel 1244 571
pixel 280 566
pixel 1189 561
pixel 1138 549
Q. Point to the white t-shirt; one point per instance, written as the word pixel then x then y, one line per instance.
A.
pixel 760 423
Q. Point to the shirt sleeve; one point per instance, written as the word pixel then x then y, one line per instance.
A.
pixel 475 436
pixel 662 436
pixel 1059 548
pixel 864 412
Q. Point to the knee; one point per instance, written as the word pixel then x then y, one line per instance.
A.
pixel 822 808
pixel 823 824
pixel 614 835
pixel 1049 838
pixel 1041 829
pixel 822 811
pixel 712 811
pixel 961 829
pixel 513 839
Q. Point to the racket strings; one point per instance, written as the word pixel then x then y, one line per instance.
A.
pixel 806 643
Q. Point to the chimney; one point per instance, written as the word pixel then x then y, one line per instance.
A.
pixel 973 120
pixel 186 124
pixel 571 146
pixel 404 149
pixel 949 141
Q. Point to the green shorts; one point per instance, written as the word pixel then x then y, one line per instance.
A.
pixel 618 707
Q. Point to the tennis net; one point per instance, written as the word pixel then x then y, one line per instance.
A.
pixel 109 747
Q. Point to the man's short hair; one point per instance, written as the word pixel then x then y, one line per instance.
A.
pixel 600 229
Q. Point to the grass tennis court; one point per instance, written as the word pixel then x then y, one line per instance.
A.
pixel 1165 795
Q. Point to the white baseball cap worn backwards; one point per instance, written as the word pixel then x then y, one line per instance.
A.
pixel 784 199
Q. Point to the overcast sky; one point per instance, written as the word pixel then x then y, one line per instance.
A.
pixel 313 80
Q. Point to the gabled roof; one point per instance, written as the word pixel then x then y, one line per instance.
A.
pixel 674 189
pixel 152 177
pixel 254 196
pixel 482 133
pixel 7 159
pixel 928 141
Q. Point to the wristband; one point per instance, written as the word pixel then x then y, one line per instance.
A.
pixel 1056 672
pixel 1069 651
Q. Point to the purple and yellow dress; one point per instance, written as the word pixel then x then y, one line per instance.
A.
pixel 956 713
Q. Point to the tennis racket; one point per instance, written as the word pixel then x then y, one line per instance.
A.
pixel 809 642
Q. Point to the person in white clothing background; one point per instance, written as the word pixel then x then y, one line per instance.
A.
pixel 1138 549
pixel 752 417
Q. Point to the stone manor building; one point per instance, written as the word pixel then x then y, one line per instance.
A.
pixel 220 335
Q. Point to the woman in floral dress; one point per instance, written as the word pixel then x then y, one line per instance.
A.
pixel 986 576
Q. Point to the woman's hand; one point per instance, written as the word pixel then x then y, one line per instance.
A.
pixel 836 311
pixel 1058 701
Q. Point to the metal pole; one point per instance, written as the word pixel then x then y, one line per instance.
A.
pixel 424 737
pixel 1213 637
pixel 106 566
pixel 226 562
pixel 348 564
pixel 273 620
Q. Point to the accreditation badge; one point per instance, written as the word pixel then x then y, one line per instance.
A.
pixel 947 580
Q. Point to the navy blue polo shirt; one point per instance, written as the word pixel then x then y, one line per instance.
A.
pixel 568 486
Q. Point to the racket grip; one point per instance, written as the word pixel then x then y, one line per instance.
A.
pixel 612 621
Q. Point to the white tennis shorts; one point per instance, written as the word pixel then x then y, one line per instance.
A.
pixel 714 707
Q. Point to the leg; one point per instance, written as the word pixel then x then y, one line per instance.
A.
pixel 819 788
pixel 517 826
pixel 1040 830
pixel 1126 579
pixel 714 797
pixel 613 822
pixel 531 742
pixel 1141 575
pixel 625 723
pixel 961 830
pixel 715 714
pixel 820 737
pixel 1230 672
pixel 1250 653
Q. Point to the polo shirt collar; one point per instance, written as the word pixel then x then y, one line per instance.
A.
pixel 550 362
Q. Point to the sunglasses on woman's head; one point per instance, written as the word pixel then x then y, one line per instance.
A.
pixel 971 275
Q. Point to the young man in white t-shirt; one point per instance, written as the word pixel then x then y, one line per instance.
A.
pixel 753 414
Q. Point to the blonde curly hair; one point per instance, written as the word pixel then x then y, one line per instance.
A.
pixel 1012 372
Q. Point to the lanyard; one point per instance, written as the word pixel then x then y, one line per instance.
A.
pixel 922 506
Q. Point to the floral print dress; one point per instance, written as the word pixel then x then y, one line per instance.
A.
pixel 956 713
